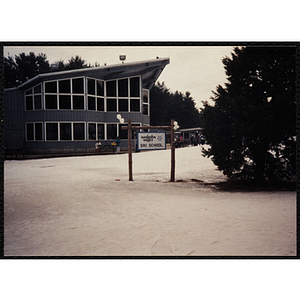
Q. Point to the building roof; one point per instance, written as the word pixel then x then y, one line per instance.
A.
pixel 150 70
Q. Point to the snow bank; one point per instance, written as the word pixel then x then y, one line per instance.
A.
pixel 82 206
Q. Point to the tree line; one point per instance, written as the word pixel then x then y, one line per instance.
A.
pixel 23 67
pixel 164 104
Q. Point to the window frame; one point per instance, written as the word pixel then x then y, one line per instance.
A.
pixel 96 125
pixel 72 131
pixel 46 137
pixel 32 94
pixel 71 94
pixel 136 97
pixel 131 95
pixel 34 132
pixel 96 94
pixel 59 129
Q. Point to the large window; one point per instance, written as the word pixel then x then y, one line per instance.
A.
pixel 123 95
pixel 34 131
pixel 65 131
pixel 33 98
pixel 95 90
pixel 65 94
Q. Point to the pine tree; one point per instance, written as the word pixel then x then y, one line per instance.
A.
pixel 23 67
pixel 251 126
pixel 166 105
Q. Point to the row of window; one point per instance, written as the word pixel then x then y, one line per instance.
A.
pixel 125 87
pixel 73 102
pixel 122 95
pixel 74 131
pixel 65 86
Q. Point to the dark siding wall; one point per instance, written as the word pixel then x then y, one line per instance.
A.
pixel 13 118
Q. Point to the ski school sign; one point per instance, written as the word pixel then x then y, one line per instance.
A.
pixel 151 141
pixel 157 141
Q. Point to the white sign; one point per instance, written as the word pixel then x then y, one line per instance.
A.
pixel 151 140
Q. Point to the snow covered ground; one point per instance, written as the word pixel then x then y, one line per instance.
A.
pixel 85 206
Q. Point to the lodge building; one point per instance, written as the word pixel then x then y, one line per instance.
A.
pixel 68 111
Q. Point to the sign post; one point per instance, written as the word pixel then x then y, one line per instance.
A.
pixel 172 152
pixel 129 128
pixel 130 150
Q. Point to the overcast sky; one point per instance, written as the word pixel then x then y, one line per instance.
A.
pixel 197 69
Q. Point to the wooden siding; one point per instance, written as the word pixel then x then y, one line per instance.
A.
pixel 13 118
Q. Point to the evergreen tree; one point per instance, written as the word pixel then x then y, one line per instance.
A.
pixel 31 65
pixel 166 106
pixel 76 63
pixel 23 67
pixel 10 72
pixel 159 97
pixel 251 126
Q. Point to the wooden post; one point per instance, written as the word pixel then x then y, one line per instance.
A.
pixel 172 152
pixel 130 128
pixel 130 150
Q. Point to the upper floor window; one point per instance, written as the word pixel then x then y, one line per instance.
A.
pixel 123 87
pixel 33 98
pixel 65 94
pixel 135 87
pixel 95 90
pixel 122 95
pixel 111 88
